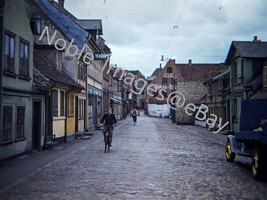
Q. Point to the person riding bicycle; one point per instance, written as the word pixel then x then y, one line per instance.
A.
pixel 134 113
pixel 109 121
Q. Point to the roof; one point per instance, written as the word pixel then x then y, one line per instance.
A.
pixel 91 24
pixel 49 71
pixel 223 75
pixel 157 70
pixel 67 27
pixel 198 72
pixel 247 49
pixel 261 94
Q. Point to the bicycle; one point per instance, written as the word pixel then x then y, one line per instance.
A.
pixel 106 139
pixel 134 119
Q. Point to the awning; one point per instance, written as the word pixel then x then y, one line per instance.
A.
pixel 115 100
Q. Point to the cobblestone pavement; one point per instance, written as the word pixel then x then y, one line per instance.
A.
pixel 154 159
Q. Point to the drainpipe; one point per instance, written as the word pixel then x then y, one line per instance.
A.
pixel 66 113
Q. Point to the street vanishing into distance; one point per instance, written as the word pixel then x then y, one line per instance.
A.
pixel 155 159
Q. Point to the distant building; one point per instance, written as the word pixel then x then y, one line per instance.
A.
pixel 247 75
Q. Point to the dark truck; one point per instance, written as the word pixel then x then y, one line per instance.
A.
pixel 251 140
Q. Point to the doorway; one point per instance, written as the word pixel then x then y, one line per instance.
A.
pixel 36 125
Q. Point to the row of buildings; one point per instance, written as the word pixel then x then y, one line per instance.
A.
pixel 221 87
pixel 56 78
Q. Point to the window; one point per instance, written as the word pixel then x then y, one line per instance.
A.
pixel 7 123
pixel 164 81
pixel 24 59
pixel 169 69
pixel 235 72
pixel 81 108
pixel 9 58
pixel 62 103
pixel 81 71
pixel 242 71
pixel 235 108
pixel 59 60
pixel 55 102
pixel 20 121
pixel 70 104
pixel 265 76
pixel 36 26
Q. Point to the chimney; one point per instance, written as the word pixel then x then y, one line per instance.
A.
pixel 61 3
pixel 160 65
pixel 190 62
pixel 256 39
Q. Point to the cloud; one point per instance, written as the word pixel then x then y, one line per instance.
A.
pixel 140 31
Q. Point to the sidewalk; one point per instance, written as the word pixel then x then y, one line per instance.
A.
pixel 13 170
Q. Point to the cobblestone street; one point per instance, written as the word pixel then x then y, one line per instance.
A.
pixel 154 159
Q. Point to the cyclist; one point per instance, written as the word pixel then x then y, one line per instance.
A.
pixel 134 113
pixel 109 121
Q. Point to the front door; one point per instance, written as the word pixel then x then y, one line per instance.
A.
pixel 36 125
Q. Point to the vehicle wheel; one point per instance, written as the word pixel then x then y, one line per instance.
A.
pixel 229 155
pixel 259 164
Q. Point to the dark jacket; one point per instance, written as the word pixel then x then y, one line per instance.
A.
pixel 109 119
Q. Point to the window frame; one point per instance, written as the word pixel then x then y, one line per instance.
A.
pixel 7 126
pixel 36 25
pixel 55 103
pixel 9 62
pixel 20 123
pixel 164 81
pixel 235 78
pixel 24 58
pixel 264 76
pixel 70 105
pixel 81 109
pixel 62 103
pixel 169 70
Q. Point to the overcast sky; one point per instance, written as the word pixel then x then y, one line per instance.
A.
pixel 140 31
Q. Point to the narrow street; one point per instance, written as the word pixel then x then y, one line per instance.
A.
pixel 154 159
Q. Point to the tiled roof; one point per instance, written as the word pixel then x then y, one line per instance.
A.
pixel 91 24
pixel 247 49
pixel 198 72
pixel 49 71
pixel 67 27
pixel 157 70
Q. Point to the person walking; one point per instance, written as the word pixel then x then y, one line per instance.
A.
pixel 134 113
pixel 109 121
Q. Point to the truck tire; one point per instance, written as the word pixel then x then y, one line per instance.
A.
pixel 259 164
pixel 229 155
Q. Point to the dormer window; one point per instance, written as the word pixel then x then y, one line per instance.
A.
pixel 264 76
pixel 59 60
pixel 36 26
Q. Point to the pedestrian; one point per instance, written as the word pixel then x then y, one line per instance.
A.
pixel 134 113
pixel 109 121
